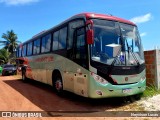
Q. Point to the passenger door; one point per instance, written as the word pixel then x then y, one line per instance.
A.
pixel 80 57
pixel 80 48
pixel 71 66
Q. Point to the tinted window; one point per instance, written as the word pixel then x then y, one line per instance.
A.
pixel 36 47
pixel 105 33
pixel 62 38
pixel 5 66
pixel 20 52
pixel 29 49
pixel 72 26
pixel 24 50
pixel 46 44
pixel 55 40
pixel 81 56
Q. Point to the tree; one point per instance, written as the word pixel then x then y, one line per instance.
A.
pixel 4 55
pixel 10 43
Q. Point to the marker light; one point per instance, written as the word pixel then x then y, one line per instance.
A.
pixel 143 78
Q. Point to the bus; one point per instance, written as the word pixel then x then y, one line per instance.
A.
pixel 92 55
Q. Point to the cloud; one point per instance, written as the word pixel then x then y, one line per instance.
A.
pixel 142 19
pixel 17 2
pixel 143 34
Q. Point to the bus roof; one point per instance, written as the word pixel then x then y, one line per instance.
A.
pixel 85 16
pixel 103 16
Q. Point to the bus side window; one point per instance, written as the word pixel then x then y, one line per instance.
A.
pixel 46 43
pixel 24 50
pixel 62 38
pixel 55 40
pixel 20 52
pixel 72 26
pixel 29 48
pixel 36 48
pixel 17 52
pixel 71 30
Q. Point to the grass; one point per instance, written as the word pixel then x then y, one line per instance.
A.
pixel 150 91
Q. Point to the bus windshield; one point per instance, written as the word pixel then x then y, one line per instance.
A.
pixel 114 41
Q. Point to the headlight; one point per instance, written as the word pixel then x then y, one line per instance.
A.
pixel 13 68
pixel 99 79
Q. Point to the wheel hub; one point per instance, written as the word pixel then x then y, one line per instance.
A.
pixel 58 85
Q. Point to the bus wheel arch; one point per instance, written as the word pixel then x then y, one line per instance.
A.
pixel 57 81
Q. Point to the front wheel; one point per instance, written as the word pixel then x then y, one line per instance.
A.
pixel 138 96
pixel 58 84
pixel 134 98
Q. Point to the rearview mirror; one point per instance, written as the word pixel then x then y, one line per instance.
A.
pixel 90 32
pixel 90 37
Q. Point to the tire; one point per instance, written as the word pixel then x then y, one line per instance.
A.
pixel 15 73
pixel 3 74
pixel 132 99
pixel 24 78
pixel 58 84
pixel 138 96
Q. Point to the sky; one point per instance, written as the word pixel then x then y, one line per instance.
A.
pixel 29 17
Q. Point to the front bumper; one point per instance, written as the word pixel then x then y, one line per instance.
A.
pixel 109 90
pixel 9 72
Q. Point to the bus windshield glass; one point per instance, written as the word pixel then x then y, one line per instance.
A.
pixel 117 43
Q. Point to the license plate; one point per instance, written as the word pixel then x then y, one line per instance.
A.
pixel 10 71
pixel 127 90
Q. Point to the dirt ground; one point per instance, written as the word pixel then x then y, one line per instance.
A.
pixel 18 96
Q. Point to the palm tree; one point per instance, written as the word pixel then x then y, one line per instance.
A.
pixel 10 43
pixel 4 55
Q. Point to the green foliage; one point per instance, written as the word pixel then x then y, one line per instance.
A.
pixel 10 41
pixel 151 91
pixel 4 56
